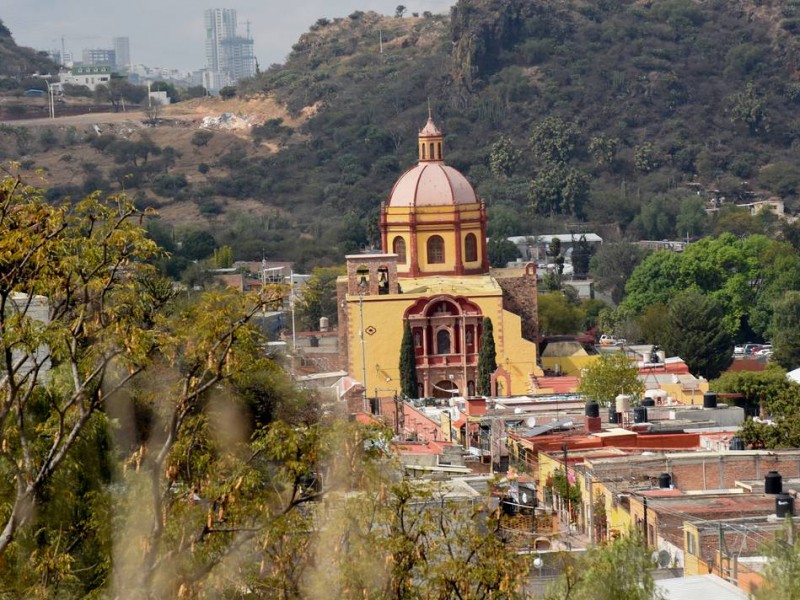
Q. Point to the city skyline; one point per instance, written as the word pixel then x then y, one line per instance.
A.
pixel 172 35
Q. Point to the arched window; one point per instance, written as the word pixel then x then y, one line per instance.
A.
pixel 439 148
pixel 470 248
pixel 423 151
pixel 433 156
pixel 399 248
pixel 435 249
pixel 443 342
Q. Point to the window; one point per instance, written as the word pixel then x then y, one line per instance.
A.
pixel 435 250
pixel 439 148
pixel 399 248
pixel 470 248
pixel 691 544
pixel 423 151
pixel 433 156
pixel 443 342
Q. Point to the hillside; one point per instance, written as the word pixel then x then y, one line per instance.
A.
pixel 17 61
pixel 566 115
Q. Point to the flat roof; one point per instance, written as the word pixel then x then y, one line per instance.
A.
pixel 564 237
pixel 699 586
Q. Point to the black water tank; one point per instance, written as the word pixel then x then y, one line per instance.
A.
pixel 648 402
pixel 592 409
pixel 773 483
pixel 784 505
pixel 613 416
pixel 664 481
pixel 640 414
pixel 736 443
pixel 709 400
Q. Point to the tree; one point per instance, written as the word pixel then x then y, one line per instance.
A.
pixel 581 257
pixel 619 569
pixel 695 331
pixel 553 141
pixel 557 315
pixel 201 137
pixel 153 110
pixel 79 266
pixel 501 252
pixel 228 92
pixel 749 107
pixel 612 266
pixel 786 331
pixel 782 569
pixel 487 358
pixel 318 298
pixel 609 376
pixel 503 157
pixel 408 365
pixel 603 149
pixel 223 257
pixel 399 11
pixel 198 245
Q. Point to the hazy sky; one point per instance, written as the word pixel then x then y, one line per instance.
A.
pixel 170 33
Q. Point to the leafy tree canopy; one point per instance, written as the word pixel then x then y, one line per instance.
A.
pixel 609 376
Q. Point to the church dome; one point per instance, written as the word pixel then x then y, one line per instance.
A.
pixel 432 184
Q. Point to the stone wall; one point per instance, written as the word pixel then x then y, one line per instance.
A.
pixel 519 297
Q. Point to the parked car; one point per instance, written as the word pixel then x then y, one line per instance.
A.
pixel 738 350
pixel 750 348
pixel 607 340
pixel 764 351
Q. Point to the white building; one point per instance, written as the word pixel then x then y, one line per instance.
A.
pixel 229 57
pixel 89 75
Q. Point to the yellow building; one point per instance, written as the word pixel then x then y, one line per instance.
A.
pixel 434 275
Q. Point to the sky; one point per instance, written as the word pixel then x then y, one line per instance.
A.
pixel 170 33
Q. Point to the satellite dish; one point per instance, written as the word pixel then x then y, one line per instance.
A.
pixel 663 559
pixel 530 422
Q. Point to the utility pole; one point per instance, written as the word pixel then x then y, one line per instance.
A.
pixel 646 536
pixel 363 351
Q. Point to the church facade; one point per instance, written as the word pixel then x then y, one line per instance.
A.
pixel 433 273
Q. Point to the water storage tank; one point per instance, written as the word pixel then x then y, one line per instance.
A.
pixel 324 323
pixel 784 505
pixel 623 403
pixel 592 409
pixel 648 402
pixel 709 400
pixel 664 481
pixel 773 483
pixel 736 443
pixel 613 417
pixel 640 414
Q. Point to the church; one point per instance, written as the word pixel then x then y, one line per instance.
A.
pixel 433 273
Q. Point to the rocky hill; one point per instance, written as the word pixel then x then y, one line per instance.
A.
pixel 566 115
pixel 17 61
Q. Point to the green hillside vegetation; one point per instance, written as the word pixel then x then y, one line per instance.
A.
pixel 613 116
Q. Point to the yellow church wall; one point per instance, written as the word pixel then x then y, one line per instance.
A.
pixel 449 263
pixel 382 347
pixel 568 365
pixel 476 231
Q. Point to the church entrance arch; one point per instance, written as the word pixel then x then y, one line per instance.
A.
pixel 445 389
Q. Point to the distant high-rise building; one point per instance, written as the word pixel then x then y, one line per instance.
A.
pixel 99 56
pixel 229 57
pixel 122 51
